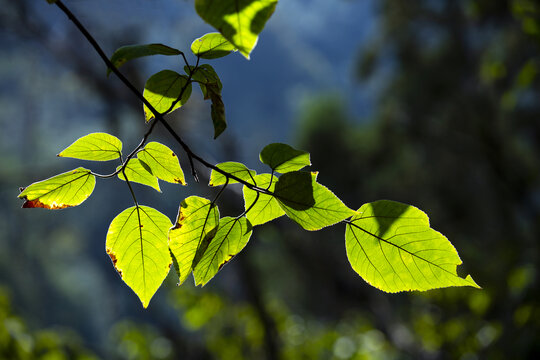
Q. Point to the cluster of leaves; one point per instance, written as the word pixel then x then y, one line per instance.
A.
pixel 389 244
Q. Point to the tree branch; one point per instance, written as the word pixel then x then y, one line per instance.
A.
pixel 158 116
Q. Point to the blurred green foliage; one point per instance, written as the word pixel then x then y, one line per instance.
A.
pixel 18 342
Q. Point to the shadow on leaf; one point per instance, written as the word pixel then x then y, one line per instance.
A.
pixel 295 190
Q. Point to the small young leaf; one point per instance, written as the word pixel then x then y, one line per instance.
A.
pixel 309 203
pixel 206 76
pixel 212 46
pixel 267 207
pixel 240 21
pixel 231 237
pixel 137 246
pixel 139 172
pixel 130 52
pixel 95 146
pixel 163 163
pixel 234 168
pixel 195 226
pixel 392 247
pixel 61 191
pixel 217 112
pixel 163 89
pixel 283 158
pixel 211 87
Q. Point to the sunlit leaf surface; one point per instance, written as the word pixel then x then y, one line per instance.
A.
pixel 137 245
pixel 309 203
pixel 392 247
pixel 267 207
pixel 163 89
pixel 139 172
pixel 234 168
pixel 162 162
pixel 283 158
pixel 231 237
pixel 95 146
pixel 61 191
pixel 195 225
pixel 240 21
pixel 212 46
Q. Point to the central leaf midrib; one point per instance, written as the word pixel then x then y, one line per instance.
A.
pixel 400 248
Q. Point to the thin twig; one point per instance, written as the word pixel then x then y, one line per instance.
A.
pixel 159 117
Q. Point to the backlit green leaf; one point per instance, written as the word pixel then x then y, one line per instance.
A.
pixel 212 46
pixel 231 237
pixel 163 163
pixel 206 76
pixel 392 247
pixel 217 112
pixel 95 146
pixel 137 245
pixel 309 203
pixel 130 52
pixel 195 226
pixel 61 191
pixel 283 158
pixel 139 172
pixel 163 89
pixel 267 207
pixel 234 168
pixel 240 21
pixel 211 86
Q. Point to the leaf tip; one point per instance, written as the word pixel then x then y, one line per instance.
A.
pixel 180 181
pixel 472 283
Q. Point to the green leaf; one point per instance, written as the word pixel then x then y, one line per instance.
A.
pixel 392 247
pixel 162 162
pixel 196 224
pixel 234 168
pixel 130 52
pixel 267 207
pixel 309 203
pixel 231 237
pixel 283 158
pixel 211 87
pixel 139 172
pixel 137 245
pixel 217 112
pixel 61 191
pixel 206 76
pixel 240 21
pixel 95 146
pixel 212 46
pixel 163 89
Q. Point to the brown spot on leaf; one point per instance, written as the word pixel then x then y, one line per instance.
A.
pixel 21 189
pixel 114 260
pixel 225 262
pixel 173 155
pixel 180 220
pixel 29 204
pixel 179 181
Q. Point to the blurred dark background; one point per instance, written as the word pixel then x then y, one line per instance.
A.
pixel 435 103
